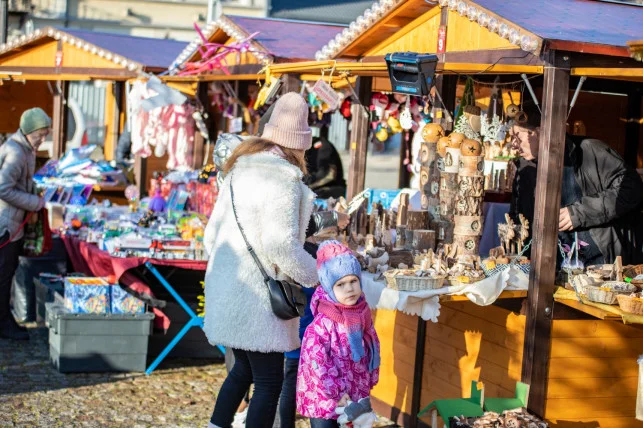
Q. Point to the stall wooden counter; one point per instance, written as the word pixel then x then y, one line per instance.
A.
pixel 593 370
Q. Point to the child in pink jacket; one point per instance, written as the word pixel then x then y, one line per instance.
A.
pixel 340 351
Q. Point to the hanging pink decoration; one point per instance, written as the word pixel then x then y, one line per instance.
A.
pixel 213 55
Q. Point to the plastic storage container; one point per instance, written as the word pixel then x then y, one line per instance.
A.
pixel 97 343
pixel 47 291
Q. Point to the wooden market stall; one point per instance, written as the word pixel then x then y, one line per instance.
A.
pixel 238 48
pixel 37 69
pixel 580 362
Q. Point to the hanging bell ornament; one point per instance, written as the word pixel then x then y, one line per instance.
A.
pixel 432 132
pixel 521 117
pixel 512 110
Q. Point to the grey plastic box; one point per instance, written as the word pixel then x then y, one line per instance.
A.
pixel 97 343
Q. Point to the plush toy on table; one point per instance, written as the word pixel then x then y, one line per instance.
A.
pixel 356 414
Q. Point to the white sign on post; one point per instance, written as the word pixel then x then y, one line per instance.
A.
pixel 326 93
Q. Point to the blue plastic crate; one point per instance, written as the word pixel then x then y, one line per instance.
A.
pixel 87 296
pixel 124 303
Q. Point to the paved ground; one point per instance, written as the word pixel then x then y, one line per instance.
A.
pixel 180 393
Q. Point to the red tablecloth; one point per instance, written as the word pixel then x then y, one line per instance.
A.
pixel 90 260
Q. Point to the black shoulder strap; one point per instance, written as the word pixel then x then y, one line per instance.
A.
pixel 250 249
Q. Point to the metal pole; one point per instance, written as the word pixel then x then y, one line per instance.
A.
pixel 4 20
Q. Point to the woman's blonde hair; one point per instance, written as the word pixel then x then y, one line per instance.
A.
pixel 258 145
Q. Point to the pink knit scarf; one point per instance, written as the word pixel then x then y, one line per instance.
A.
pixel 358 322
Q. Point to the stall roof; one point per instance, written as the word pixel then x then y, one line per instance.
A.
pixel 57 54
pixel 343 11
pixel 153 53
pixel 278 40
pixel 585 26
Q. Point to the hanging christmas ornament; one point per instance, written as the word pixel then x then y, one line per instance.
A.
pixel 394 125
pixel 345 109
pixel 512 111
pixel 381 134
pixel 379 102
pixel 406 119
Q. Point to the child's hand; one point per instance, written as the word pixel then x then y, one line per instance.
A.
pixel 343 402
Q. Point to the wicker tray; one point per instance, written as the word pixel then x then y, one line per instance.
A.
pixel 603 293
pixel 412 283
pixel 632 305
pixel 632 272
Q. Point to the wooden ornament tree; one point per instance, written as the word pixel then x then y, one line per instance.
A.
pixel 469 199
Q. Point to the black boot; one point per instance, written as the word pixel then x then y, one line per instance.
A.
pixel 9 329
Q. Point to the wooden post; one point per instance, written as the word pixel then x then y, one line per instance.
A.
pixel 59 121
pixel 291 83
pixel 113 103
pixel 359 137
pixel 140 174
pixel 447 86
pixel 544 249
pixel 633 129
pixel 199 141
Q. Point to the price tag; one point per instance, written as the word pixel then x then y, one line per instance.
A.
pixel 326 93
pixel 235 125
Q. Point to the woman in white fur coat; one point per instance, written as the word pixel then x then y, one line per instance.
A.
pixel 274 208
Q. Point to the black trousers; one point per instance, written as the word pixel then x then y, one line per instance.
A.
pixel 9 255
pixel 266 371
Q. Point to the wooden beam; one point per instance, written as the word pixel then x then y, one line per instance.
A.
pixel 59 121
pixel 633 129
pixel 607 72
pixel 199 141
pixel 359 137
pixel 544 251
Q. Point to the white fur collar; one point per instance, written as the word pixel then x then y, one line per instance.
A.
pixel 268 160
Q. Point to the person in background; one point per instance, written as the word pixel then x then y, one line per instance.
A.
pixel 273 206
pixel 601 196
pixel 17 165
pixel 325 172
pixel 340 352
pixel 124 147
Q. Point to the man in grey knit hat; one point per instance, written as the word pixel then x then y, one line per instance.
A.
pixel 17 165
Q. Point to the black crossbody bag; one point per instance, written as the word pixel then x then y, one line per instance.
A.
pixel 287 300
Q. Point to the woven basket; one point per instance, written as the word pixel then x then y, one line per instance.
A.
pixel 499 268
pixel 412 283
pixel 604 294
pixel 632 272
pixel 632 305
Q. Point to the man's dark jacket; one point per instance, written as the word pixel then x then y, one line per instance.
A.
pixel 609 202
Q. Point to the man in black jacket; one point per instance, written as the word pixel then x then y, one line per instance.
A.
pixel 601 196
pixel 325 172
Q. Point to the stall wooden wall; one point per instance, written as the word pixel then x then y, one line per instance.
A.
pixel 593 374
pixel 466 35
pixel 592 378
pixel 421 35
pixel 16 97
pixel 397 334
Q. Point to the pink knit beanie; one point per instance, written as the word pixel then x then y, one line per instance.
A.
pixel 288 124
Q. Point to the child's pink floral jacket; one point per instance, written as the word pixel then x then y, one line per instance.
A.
pixel 326 369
